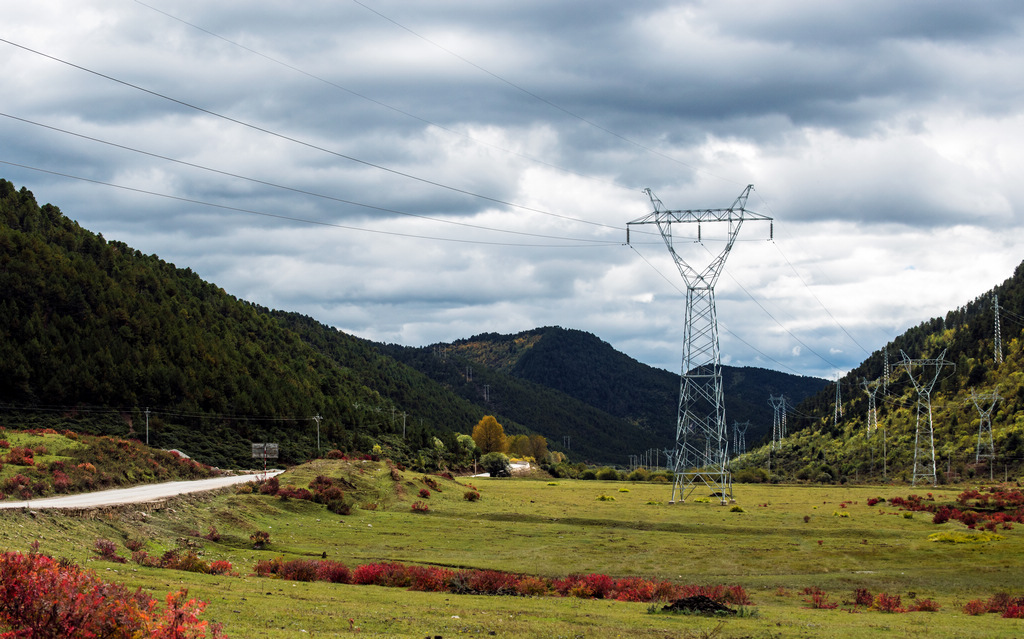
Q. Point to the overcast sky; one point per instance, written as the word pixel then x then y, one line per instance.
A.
pixel 420 172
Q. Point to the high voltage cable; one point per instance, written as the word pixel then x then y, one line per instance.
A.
pixel 809 290
pixel 294 140
pixel 766 312
pixel 380 103
pixel 288 188
pixel 540 98
pixel 52 408
pixel 592 243
pixel 726 328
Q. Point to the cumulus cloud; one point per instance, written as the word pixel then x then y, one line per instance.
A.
pixel 418 172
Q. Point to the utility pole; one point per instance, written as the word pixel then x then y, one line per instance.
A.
pixel 317 418
pixel 701 441
pixel 147 426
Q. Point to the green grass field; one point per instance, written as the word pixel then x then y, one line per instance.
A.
pixel 555 528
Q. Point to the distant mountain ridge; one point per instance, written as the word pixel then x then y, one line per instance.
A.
pixel 98 337
pixel 588 369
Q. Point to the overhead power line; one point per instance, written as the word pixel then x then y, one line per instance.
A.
pixel 540 98
pixel 379 102
pixel 297 141
pixel 237 209
pixel 289 188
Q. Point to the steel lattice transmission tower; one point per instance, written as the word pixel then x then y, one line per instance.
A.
pixel 924 450
pixel 701 442
pixel 871 388
pixel 839 404
pixel 986 446
pixel 998 342
pixel 778 404
pixel 739 437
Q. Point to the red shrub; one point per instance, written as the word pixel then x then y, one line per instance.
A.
pixel 634 589
pixel 212 535
pixel 41 598
pixel 424 493
pixel 975 607
pixel 819 600
pixel 885 602
pixel 134 544
pixel 492 582
pixel 336 454
pixel 220 567
pixel 863 597
pixel 532 586
pixel 4 443
pixel 1014 611
pixel 924 605
pixel 430 578
pixel 420 507
pixel 61 483
pixel 471 495
pixel 292 492
pixel 16 483
pixel 260 539
pixel 368 574
pixel 298 570
pixel 599 585
pixel 20 456
pixel 270 486
pixel 334 572
pixel 107 550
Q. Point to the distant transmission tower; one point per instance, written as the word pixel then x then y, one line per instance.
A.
pixel 871 388
pixel 701 441
pixel 998 345
pixel 986 446
pixel 885 372
pixel 739 437
pixel 839 404
pixel 779 420
pixel 924 437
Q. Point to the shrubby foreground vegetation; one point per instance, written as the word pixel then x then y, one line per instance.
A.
pixel 554 559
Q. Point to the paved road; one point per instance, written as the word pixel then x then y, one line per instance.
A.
pixel 134 495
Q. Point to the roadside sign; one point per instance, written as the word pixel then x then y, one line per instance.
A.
pixel 264 450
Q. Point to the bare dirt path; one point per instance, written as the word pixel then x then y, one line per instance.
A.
pixel 135 494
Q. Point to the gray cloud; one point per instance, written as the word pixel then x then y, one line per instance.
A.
pixel 885 139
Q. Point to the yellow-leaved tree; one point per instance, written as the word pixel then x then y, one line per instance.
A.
pixel 489 435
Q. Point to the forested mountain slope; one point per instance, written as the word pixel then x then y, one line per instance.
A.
pixel 92 333
pixel 964 338
pixel 584 367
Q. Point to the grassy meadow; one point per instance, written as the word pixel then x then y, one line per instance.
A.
pixel 781 540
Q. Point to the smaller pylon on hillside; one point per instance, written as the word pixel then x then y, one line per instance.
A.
pixel 779 420
pixel 739 437
pixel 986 446
pixel 998 342
pixel 924 436
pixel 871 388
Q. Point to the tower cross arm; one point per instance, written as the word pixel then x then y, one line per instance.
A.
pixel 735 213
